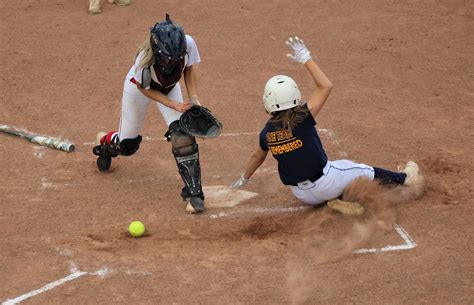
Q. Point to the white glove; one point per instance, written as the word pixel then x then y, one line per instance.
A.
pixel 301 52
pixel 239 183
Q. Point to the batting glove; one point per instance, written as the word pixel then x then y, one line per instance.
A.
pixel 239 183
pixel 301 53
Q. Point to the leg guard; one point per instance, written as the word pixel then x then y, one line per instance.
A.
pixel 186 153
pixel 110 147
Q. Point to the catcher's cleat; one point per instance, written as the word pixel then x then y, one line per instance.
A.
pixel 104 163
pixel 105 150
pixel 195 205
pixel 346 207
pixel 411 169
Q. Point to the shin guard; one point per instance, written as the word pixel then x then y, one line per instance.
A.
pixel 186 153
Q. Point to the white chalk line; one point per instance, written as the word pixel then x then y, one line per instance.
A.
pixel 151 139
pixel 75 273
pixel 322 131
pixel 236 134
pixel 46 184
pixel 47 287
pixel 409 243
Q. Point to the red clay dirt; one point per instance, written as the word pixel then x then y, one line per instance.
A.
pixel 403 91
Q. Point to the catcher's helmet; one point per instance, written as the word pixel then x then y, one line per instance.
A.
pixel 281 93
pixel 168 42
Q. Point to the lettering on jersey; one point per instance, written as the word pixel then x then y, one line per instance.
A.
pixel 282 141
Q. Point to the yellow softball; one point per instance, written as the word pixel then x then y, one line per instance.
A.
pixel 136 228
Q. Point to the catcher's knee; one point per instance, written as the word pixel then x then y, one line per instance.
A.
pixel 183 144
pixel 130 146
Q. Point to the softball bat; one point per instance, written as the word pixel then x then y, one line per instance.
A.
pixel 47 141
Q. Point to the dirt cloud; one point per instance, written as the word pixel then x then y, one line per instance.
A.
pixel 328 237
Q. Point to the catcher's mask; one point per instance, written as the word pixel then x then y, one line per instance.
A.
pixel 168 42
pixel 281 93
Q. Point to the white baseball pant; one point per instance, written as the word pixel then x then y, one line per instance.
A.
pixel 337 175
pixel 135 106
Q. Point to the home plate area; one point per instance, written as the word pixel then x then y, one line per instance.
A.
pixel 220 196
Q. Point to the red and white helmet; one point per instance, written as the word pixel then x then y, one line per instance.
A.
pixel 281 93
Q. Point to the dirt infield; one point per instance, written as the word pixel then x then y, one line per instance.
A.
pixel 404 90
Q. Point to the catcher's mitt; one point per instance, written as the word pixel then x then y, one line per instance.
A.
pixel 198 121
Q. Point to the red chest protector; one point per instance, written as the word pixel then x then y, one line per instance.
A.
pixel 167 82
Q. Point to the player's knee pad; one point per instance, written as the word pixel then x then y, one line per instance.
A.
pixel 183 144
pixel 130 146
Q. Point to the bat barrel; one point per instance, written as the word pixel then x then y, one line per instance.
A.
pixel 53 143
pixel 38 139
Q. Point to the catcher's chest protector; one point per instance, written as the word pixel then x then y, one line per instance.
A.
pixel 166 83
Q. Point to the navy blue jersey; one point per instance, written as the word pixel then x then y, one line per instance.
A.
pixel 299 152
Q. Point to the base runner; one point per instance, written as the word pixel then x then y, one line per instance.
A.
pixel 290 135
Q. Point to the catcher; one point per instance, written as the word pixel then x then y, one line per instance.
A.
pixel 160 63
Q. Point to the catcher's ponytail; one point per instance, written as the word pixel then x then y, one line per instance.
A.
pixel 288 119
pixel 147 58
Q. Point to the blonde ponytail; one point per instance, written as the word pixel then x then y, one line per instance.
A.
pixel 147 59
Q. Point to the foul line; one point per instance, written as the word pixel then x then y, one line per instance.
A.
pixel 409 243
pixel 236 134
pixel 164 139
pixel 74 275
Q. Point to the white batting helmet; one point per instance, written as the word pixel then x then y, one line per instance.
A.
pixel 281 93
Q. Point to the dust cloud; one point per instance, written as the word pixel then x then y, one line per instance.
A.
pixel 328 237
